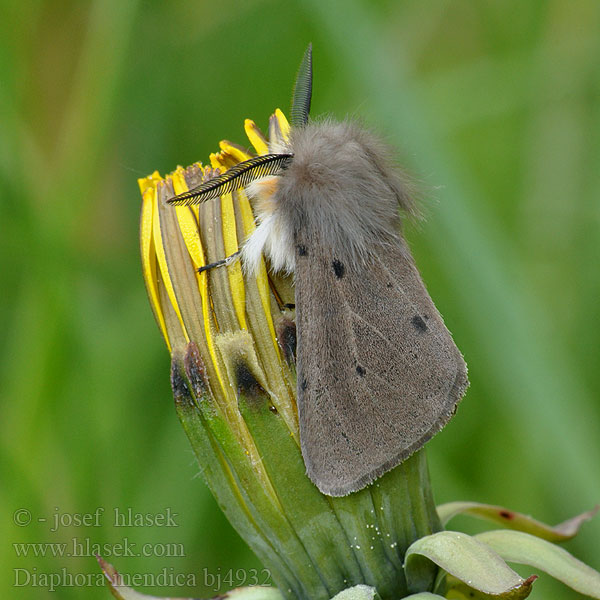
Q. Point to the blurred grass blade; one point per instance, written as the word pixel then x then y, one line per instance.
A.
pixel 114 581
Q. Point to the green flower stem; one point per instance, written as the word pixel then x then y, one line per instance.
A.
pixel 219 476
pixel 358 517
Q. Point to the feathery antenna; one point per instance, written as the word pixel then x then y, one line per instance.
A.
pixel 236 178
pixel 302 91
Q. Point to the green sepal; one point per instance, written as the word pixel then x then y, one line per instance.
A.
pixel 403 502
pixel 208 435
pixel 359 518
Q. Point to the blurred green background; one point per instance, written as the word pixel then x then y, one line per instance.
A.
pixel 494 107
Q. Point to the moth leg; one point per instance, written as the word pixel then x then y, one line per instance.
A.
pixel 220 263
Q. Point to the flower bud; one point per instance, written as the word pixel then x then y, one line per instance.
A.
pixel 231 336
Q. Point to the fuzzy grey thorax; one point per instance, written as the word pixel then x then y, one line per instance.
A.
pixel 340 190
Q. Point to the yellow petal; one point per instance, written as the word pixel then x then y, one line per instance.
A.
pixel 148 255
pixel 234 270
pixel 164 270
pixel 283 124
pixel 236 153
pixel 257 139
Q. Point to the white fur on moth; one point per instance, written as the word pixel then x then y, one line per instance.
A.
pixel 271 237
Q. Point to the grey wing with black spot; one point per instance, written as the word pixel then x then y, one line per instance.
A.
pixel 378 372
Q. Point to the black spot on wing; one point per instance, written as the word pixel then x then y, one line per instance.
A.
pixel 338 268
pixel 361 370
pixel 302 251
pixel 303 385
pixel 419 324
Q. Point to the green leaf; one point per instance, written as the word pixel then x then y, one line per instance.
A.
pixel 458 590
pixel 255 592
pixel 469 560
pixel 527 549
pixel 423 596
pixel 358 592
pixel 514 520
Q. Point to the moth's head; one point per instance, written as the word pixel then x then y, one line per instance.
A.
pixel 263 194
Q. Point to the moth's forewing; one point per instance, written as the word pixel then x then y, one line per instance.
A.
pixel 378 372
